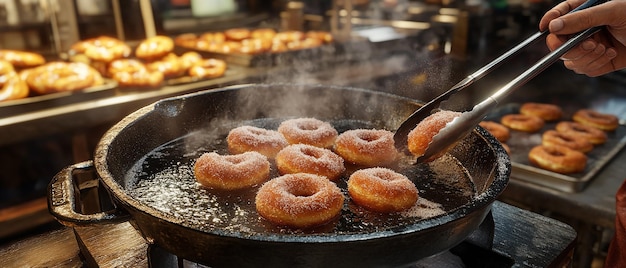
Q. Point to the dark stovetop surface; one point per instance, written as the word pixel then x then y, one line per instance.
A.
pixel 521 239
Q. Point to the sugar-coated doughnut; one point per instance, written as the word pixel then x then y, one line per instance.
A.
pixel 170 66
pixel 545 111
pixel 521 122
pixel 382 190
pixel 304 158
pixel 367 147
pixel 310 131
pixel 602 121
pixel 299 200
pixel 231 172
pixel 500 132
pixel 559 159
pixel 154 47
pixel 553 138
pixel 420 137
pixel 249 138
pixel 593 135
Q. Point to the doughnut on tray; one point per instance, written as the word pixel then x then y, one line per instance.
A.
pixel 520 144
pixel 39 102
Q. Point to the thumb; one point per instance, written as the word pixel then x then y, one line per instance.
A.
pixel 580 20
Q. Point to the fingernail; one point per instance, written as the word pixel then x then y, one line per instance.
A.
pixel 611 53
pixel 589 45
pixel 556 25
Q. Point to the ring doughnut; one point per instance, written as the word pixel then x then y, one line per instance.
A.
pixel 299 200
pixel 367 147
pixel 62 76
pixel 208 68
pixel 570 140
pixel 12 87
pixel 382 190
pixel 237 34
pixel 263 33
pixel 154 47
pixel 420 137
pixel 21 59
pixel 545 111
pixel 593 135
pixel 559 159
pixel 521 122
pixel 304 158
pixel 500 132
pixel 231 172
pixel 249 138
pixel 170 66
pixel 308 131
pixel 133 73
pixel 188 59
pixel 602 121
pixel 103 48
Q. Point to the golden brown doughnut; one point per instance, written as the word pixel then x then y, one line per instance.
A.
pixel 299 200
pixel 304 158
pixel 169 66
pixel 12 87
pixel 324 36
pixel 134 73
pixel 103 49
pixel 213 37
pixel 21 59
pixel 559 159
pixel 545 111
pixel 420 137
pixel 263 33
pixel 154 47
pixel 500 132
pixel 231 172
pixel 553 138
pixel 237 34
pixel 367 147
pixel 62 76
pixel 310 131
pixel 382 190
pixel 602 121
pixel 187 40
pixel 208 68
pixel 289 36
pixel 520 122
pixel 249 138
pixel 593 135
pixel 188 59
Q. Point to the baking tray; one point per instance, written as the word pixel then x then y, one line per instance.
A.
pixel 521 143
pixel 29 104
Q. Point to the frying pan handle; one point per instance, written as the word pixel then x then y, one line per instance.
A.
pixel 64 197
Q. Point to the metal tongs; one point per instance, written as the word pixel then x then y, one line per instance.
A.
pixel 467 121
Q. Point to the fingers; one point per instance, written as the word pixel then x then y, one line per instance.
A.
pixel 595 63
pixel 603 14
pixel 557 11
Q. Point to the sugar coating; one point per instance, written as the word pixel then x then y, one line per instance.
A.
pixel 420 137
pixel 231 171
pixel 297 158
pixel 369 147
pixel 248 138
pixel 310 131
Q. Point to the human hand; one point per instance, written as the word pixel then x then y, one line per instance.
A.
pixel 605 51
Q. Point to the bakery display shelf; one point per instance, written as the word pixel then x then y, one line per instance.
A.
pixel 15 107
pixel 520 144
pixel 325 52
